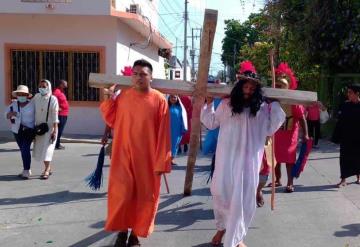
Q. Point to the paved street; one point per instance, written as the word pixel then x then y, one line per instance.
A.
pixel 62 211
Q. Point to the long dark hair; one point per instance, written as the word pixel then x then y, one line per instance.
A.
pixel 238 103
pixel 177 101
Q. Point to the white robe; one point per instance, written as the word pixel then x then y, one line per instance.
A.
pixel 43 148
pixel 238 159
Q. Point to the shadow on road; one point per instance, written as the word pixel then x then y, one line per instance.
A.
pixel 183 216
pixel 206 245
pixel 92 239
pixel 352 230
pixel 8 178
pixel 9 150
pixel 53 198
pixel 302 188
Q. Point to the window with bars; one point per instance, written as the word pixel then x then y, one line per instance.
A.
pixel 28 67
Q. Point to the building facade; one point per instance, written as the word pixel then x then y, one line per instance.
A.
pixel 68 39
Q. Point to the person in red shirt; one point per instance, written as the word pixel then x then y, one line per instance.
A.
pixel 313 121
pixel 59 93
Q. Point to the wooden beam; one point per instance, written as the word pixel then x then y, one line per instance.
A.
pixel 285 96
pixel 207 39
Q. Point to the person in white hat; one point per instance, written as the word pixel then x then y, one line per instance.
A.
pixel 21 117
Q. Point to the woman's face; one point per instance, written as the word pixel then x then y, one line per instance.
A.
pixel 173 99
pixel 352 95
pixel 43 85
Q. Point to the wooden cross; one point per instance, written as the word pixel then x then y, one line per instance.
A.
pixel 200 90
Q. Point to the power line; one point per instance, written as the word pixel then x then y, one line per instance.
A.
pixel 171 7
pixel 153 7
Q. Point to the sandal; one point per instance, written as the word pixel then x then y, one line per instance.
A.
pixel 341 184
pixel 121 239
pixel 133 241
pixel 217 239
pixel 45 175
pixel 289 189
pixel 277 184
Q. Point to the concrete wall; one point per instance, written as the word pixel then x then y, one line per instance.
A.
pixel 77 31
pixel 126 56
pixel 61 30
pixel 76 7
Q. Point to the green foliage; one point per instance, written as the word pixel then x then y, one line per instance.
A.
pixel 258 54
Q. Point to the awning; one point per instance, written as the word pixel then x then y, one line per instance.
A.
pixel 137 23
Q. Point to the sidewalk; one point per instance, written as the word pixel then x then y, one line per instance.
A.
pixel 62 211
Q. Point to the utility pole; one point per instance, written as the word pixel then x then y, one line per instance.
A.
pixel 192 54
pixel 192 51
pixel 185 41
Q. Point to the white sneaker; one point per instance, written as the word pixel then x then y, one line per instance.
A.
pixel 26 174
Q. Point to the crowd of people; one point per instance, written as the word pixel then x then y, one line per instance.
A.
pixel 38 119
pixel 148 130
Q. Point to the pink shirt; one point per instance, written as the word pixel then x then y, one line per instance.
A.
pixel 313 112
pixel 63 103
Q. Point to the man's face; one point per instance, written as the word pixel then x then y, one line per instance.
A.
pixel 352 95
pixel 141 78
pixel 249 89
pixel 64 84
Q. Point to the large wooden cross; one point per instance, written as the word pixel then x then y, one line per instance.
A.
pixel 200 90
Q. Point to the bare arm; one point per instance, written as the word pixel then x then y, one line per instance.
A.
pixel 304 127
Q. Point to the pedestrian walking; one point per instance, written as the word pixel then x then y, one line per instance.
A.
pixel 141 153
pixel 21 116
pixel 59 93
pixel 286 138
pixel 46 126
pixel 245 121
pixel 347 134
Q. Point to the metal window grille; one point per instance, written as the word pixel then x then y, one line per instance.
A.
pixel 28 67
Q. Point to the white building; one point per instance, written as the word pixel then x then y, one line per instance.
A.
pixel 67 39
pixel 176 70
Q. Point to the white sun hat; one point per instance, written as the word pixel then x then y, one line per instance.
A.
pixel 21 89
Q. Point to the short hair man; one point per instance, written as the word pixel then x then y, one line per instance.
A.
pixel 140 154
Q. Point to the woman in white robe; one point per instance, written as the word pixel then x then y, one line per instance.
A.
pixel 44 145
pixel 238 158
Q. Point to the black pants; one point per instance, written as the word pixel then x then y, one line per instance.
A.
pixel 24 143
pixel 62 123
pixel 314 130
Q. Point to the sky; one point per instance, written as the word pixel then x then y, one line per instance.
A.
pixel 171 23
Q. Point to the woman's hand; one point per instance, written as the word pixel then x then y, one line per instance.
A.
pixel 11 114
pixel 53 135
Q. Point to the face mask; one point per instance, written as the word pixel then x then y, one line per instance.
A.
pixel 43 91
pixel 22 99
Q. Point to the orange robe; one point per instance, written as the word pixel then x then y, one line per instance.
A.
pixel 141 147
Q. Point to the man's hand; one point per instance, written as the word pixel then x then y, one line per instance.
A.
pixel 306 137
pixel 104 139
pixel 159 173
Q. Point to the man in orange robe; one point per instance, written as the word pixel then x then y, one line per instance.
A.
pixel 140 155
